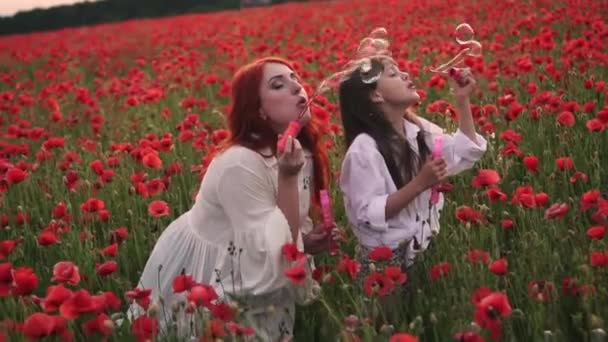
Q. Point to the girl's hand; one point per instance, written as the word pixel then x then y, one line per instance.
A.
pixel 464 77
pixel 432 172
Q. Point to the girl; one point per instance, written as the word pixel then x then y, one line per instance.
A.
pixel 387 175
pixel 251 202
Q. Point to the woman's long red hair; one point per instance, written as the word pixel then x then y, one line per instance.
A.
pixel 247 128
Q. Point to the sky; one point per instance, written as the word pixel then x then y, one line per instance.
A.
pixel 10 7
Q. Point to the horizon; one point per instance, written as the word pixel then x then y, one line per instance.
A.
pixel 11 7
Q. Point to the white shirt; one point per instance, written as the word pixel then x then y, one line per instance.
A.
pixel 366 183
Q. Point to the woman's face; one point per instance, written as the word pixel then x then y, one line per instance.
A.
pixel 395 87
pixel 282 97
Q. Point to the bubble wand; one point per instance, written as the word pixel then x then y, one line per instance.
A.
pixel 464 36
pixel 436 154
pixel 328 219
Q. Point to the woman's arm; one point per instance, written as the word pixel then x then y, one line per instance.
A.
pixel 290 162
pixel 288 200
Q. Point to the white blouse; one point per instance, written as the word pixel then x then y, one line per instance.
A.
pixel 366 183
pixel 236 206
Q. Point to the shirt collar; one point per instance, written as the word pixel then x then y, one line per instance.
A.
pixel 411 129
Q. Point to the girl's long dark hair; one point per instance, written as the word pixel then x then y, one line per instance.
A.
pixel 361 115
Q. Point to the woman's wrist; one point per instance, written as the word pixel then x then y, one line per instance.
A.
pixel 288 180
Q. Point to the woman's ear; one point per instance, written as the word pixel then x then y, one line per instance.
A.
pixel 376 97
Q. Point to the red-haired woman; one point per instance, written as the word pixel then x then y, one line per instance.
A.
pixel 251 202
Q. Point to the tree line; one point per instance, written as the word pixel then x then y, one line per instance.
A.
pixel 97 12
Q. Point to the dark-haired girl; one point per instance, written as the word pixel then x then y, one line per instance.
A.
pixel 387 172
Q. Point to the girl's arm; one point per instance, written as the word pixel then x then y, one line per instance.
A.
pixel 465 118
pixel 401 198
pixel 463 106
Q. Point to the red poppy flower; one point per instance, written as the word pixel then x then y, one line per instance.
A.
pixel 485 177
pixel 557 211
pixel 440 270
pixel 201 295
pixel 140 296
pixel 381 253
pixel 145 328
pixel 290 252
pixel 158 208
pixel 25 281
pixel 531 163
pixel 106 268
pixel 297 273
pixel 66 271
pixel 490 310
pixel 403 337
pixel 182 282
pixel 596 232
pixel 499 267
pixel 395 274
pixel 378 284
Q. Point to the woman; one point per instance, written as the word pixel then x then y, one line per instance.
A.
pixel 251 202
pixel 387 173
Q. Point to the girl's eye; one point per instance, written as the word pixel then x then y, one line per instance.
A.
pixel 277 85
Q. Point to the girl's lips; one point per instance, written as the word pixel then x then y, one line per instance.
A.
pixel 302 102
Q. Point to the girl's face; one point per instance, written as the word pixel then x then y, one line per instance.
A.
pixel 282 97
pixel 395 88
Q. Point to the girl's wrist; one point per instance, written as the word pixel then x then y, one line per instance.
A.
pixel 462 101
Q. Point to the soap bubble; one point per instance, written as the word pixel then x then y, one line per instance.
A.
pixel 464 33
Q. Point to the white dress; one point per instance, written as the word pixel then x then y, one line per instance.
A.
pixel 236 204
pixel 366 184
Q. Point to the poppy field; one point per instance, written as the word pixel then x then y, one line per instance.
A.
pixel 106 131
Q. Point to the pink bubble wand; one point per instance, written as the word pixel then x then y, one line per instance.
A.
pixel 436 154
pixel 295 126
pixel 328 219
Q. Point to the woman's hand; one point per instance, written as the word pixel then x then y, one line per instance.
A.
pixel 319 239
pixel 290 163
pixel 292 159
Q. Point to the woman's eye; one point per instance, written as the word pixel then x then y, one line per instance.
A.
pixel 277 85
